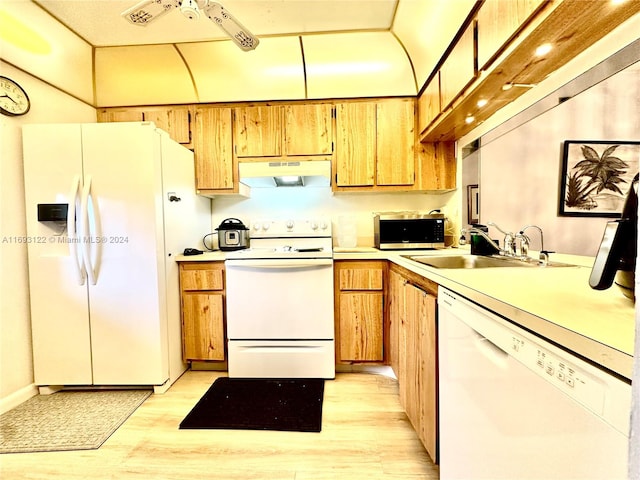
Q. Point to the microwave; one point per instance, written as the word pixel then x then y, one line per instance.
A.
pixel 408 230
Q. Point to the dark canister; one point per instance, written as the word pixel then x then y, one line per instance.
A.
pixel 479 244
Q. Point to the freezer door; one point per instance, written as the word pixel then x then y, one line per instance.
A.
pixel 58 292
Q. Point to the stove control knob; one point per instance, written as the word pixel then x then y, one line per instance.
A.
pixel 324 225
pixel 314 226
pixel 289 224
pixel 256 226
pixel 265 226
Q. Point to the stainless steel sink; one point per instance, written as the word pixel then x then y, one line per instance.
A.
pixel 475 261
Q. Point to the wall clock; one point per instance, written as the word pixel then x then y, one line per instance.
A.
pixel 13 99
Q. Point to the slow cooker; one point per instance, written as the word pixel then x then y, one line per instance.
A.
pixel 232 235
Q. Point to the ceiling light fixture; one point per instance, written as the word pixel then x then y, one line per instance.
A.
pixel 482 102
pixel 470 119
pixel 147 11
pixel 509 86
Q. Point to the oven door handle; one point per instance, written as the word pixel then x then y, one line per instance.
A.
pixel 280 263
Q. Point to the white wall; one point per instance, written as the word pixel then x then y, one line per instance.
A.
pixel 48 105
pixel 314 202
pixel 517 167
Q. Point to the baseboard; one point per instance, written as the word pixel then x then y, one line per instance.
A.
pixel 18 397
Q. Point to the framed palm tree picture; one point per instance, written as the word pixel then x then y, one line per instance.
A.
pixel 596 176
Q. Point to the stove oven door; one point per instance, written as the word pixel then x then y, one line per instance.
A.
pixel 280 318
pixel 280 299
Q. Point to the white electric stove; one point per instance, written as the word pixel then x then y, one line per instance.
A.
pixel 280 301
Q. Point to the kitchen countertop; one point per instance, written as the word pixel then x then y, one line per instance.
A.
pixel 556 303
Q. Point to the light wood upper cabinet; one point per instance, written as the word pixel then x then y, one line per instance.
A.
pixel 459 69
pixel 355 158
pixel 375 145
pixel 436 166
pixel 175 120
pixel 216 169
pixel 498 21
pixel 429 103
pixel 120 115
pixel 395 141
pixel 283 130
pixel 258 131
pixel 308 129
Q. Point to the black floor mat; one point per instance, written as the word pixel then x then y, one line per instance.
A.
pixel 291 404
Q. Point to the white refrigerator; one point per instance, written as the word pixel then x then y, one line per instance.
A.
pixel 108 207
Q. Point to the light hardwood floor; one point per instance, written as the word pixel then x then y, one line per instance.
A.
pixel 365 435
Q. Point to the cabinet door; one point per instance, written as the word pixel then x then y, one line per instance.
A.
pixel 498 21
pixel 361 317
pixel 436 166
pixel 429 103
pixel 395 143
pixel 202 326
pixel 258 131
pixel 212 148
pixel 421 308
pixel 308 129
pixel 459 69
pixel 175 121
pixel 120 115
pixel 396 313
pixel 355 157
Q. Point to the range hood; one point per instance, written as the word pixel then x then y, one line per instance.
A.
pixel 303 173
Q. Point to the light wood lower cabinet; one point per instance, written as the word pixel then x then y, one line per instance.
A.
pixel 203 299
pixel 413 351
pixel 359 307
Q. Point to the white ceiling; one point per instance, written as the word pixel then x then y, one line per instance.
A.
pixel 99 21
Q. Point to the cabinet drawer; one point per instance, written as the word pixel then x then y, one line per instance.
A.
pixel 201 277
pixel 361 277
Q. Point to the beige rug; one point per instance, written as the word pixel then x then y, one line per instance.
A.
pixel 67 420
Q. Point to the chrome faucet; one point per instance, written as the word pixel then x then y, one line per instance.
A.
pixel 525 241
pixel 509 240
pixel 464 231
pixel 544 254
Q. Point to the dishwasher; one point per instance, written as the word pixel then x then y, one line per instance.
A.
pixel 514 406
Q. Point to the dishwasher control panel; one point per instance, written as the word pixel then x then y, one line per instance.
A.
pixel 565 375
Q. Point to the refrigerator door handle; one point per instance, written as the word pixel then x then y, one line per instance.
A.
pixel 72 231
pixel 91 232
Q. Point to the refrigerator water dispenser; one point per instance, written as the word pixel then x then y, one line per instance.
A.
pixel 52 212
